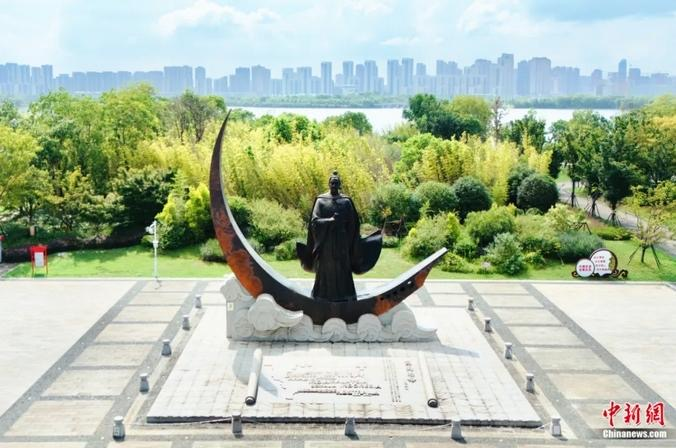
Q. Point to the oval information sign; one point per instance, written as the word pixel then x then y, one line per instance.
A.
pixel 584 267
pixel 605 262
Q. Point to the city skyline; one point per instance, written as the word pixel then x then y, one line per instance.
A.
pixel 221 35
pixel 506 77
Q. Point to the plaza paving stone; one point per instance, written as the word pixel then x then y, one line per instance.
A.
pixel 533 316
pixel 147 314
pixel 533 335
pixel 61 418
pixel 139 332
pixel 511 301
pixel 588 386
pixel 121 355
pixel 90 382
pixel 40 321
pixel 636 323
pixel 594 342
pixel 567 359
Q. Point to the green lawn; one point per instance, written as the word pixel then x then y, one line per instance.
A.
pixel 138 262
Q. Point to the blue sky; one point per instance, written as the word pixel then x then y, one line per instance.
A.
pixel 221 34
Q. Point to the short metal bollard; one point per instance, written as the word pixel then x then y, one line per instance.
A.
pixel 236 424
pixel 508 350
pixel 556 426
pixel 186 322
pixel 487 325
pixel 350 427
pixel 530 383
pixel 470 304
pixel 198 301
pixel 456 430
pixel 166 347
pixel 118 428
pixel 144 386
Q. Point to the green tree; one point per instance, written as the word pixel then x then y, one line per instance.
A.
pixel 76 202
pixel 526 131
pixel 537 191
pixel 17 150
pixel 472 108
pixel 472 196
pixel 9 114
pixel 353 120
pixel 142 194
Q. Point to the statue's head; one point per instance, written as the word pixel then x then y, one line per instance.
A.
pixel 334 183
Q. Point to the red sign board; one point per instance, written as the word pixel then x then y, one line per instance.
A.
pixel 39 258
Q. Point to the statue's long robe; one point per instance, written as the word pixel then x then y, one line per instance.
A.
pixel 335 248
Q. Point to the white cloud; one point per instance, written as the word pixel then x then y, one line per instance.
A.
pixel 508 17
pixel 209 12
pixel 400 41
pixel 370 7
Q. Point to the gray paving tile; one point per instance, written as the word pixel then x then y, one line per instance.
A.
pixel 531 335
pixel 526 316
pixel 61 418
pixel 567 359
pixel 591 386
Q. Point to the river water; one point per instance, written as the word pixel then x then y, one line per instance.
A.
pixel 384 119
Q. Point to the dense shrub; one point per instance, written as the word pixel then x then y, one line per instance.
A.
pixel 562 218
pixel 241 212
pixel 391 202
pixel 211 251
pixel 273 224
pixel 535 235
pixel 535 259
pixel 537 191
pixel 484 226
pixel 577 244
pixel 430 235
pixel 436 197
pixel 173 230
pixel 505 254
pixel 255 245
pixel 472 196
pixel 198 214
pixel 612 233
pixel 466 246
pixel 455 263
pixel 286 251
pixel 142 193
pixel 390 241
pixel 516 176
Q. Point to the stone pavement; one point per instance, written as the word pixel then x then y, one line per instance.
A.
pixel 586 343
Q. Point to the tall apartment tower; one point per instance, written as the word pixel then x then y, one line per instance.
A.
pixel 326 79
pixel 371 69
pixel 407 75
pixel 348 72
pixel 506 82
pixel 200 80
pixel 393 77
pixel 540 77
pixel 260 80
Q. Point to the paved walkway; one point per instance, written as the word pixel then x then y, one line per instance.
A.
pixel 627 220
pixel 586 342
pixel 6 267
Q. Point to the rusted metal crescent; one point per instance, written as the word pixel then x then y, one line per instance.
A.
pixel 257 277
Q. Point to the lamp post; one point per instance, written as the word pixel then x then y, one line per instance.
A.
pixel 152 229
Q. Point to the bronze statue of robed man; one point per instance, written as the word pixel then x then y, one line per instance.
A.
pixel 335 249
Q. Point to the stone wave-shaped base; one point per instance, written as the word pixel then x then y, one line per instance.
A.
pixel 262 319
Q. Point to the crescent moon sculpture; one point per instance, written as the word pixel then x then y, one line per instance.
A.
pixel 257 277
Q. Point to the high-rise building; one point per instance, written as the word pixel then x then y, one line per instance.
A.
pixel 393 77
pixel 177 80
pixel 506 75
pixel 200 81
pixel 304 80
pixel 406 75
pixel 327 79
pixel 289 82
pixel 371 78
pixel 523 79
pixel 420 69
pixel 565 80
pixel 360 78
pixel 240 82
pixel 348 73
pixel 260 80
pixel 540 77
